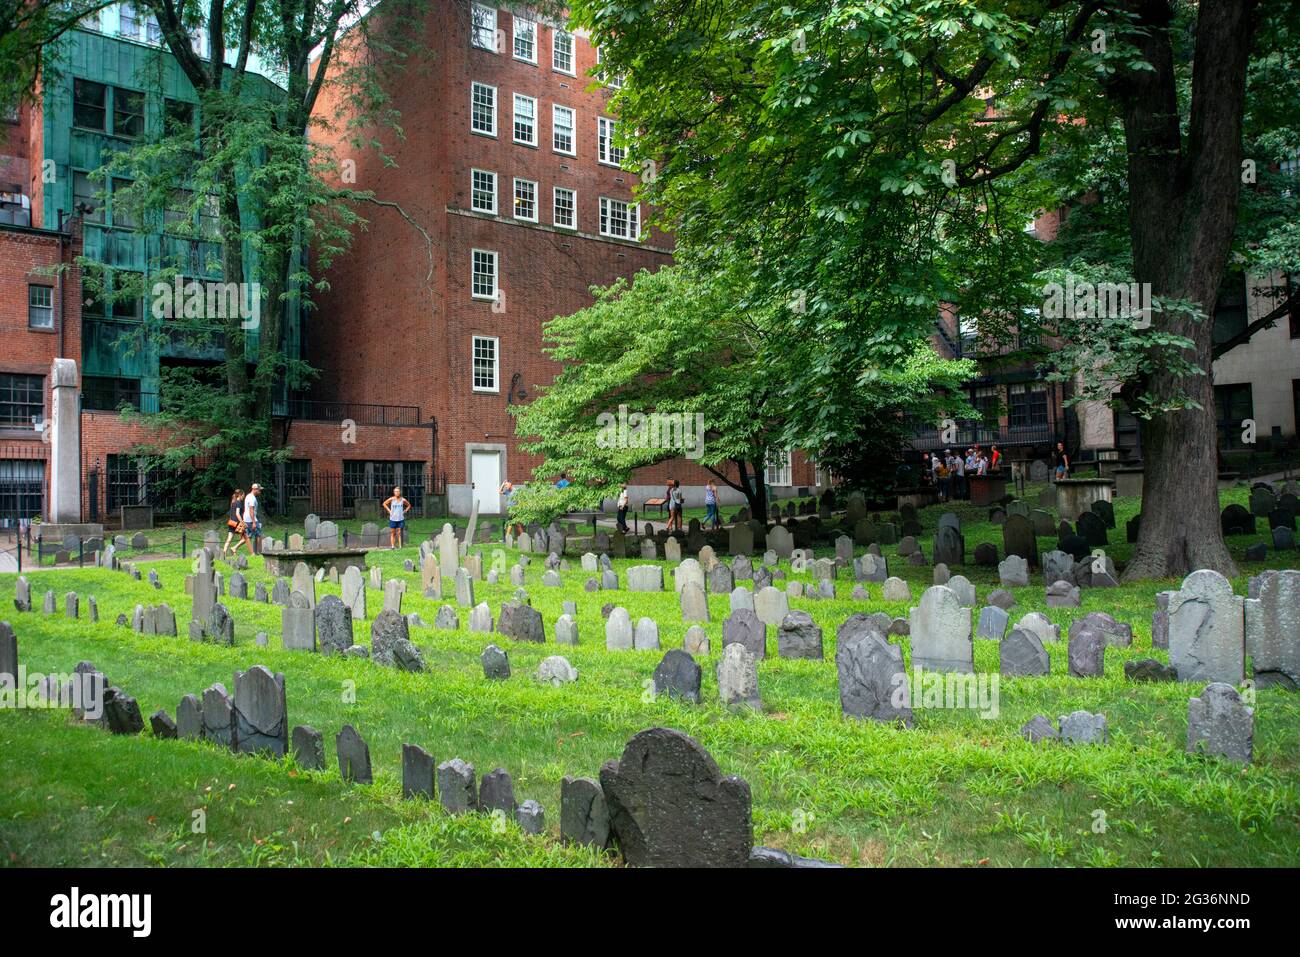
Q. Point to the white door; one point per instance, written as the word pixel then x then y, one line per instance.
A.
pixel 485 473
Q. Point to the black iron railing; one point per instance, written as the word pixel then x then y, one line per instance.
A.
pixel 315 410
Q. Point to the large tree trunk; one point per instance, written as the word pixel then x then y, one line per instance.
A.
pixel 1182 214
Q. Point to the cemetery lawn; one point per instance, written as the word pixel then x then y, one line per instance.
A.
pixel 958 790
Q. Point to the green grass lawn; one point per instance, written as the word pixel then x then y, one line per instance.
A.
pixel 956 790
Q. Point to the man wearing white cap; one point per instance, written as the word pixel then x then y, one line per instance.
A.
pixel 252 528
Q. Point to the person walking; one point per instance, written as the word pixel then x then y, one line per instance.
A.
pixel 678 500
pixel 507 493
pixel 624 501
pixel 233 519
pixel 711 505
pixel 942 480
pixel 396 507
pixel 995 458
pixel 250 520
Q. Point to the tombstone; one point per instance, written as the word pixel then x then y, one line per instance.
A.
pixel 618 631
pixel 1219 724
pixel 387 633
pixel 1087 653
pixel 22 594
pixel 1021 653
pixel 707 557
pixel 737 675
pixel 353 587
pixel 1081 727
pixel 304 583
pixel 189 718
pixel 609 580
pixel 280 592
pixel 1058 566
pixel 394 589
pixel 1062 594
pixel 162 726
pixel 261 712
pixel 1236 520
pixel 584 815
pixel 1093 529
pixel 780 541
pixel 333 623
pixel 678 676
pixel 464 588
pixel 964 588
pixel 986 554
pixel 940 629
pixel 220 627
pixel 949 546
pixel 744 627
pixel 1039 472
pixel 740 540
pixel 872 680
pixel 688 571
pixel 354 756
pixel 694 603
pixel 1039 728
pixel 649 549
pixel 1206 629
pixel 992 623
pixel 1104 510
pixel 1262 501
pixel 771 606
pixel 1272 630
pixel 672 550
pixel 219 716
pixel 798 636
pixel 259 592
pixel 645 636
pixel 1118 634
pixel 8 656
pixel 1013 572
pixel 521 622
pixel 645 578
pixel 871 568
pixel 742 569
pixel 1149 669
pixel 497 793
pixel 895 589
pixel 1283 539
pixel 120 713
pixel 298 625
pixel 696 641
pixel 1019 538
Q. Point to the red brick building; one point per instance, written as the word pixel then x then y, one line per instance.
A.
pixel 510 163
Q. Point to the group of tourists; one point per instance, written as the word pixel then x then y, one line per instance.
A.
pixel 950 472
pixel 243 520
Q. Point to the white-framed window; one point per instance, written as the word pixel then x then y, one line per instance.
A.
pixel 483 276
pixel 525 40
pixel 619 219
pixel 525 120
pixel 483 109
pixel 606 151
pixel 562 58
pixel 486 361
pixel 613 81
pixel 483 191
pixel 128 21
pixel 484 28
pixel 562 122
pixel 526 200
pixel 566 208
pixel 40 306
pixel 779 471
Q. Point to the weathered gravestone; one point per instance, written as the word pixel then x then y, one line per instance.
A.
pixel 1022 653
pixel 670 806
pixel 1207 629
pixel 872 679
pixel 1219 724
pixel 333 625
pixel 745 628
pixel 941 632
pixel 798 636
pixel 298 624
pixel 354 756
pixel 737 675
pixel 261 712
pixel 1019 538
pixel 678 676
